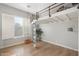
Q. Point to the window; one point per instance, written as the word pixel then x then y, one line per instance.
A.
pixel 14 26
pixel 18 26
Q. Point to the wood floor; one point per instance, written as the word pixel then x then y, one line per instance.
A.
pixel 43 49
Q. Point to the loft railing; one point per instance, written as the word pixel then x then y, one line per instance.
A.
pixel 56 7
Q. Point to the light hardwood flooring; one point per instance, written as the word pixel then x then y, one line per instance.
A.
pixel 43 49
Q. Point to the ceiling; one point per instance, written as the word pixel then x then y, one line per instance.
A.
pixel 29 7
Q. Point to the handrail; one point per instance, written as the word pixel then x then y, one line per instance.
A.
pixel 50 8
pixel 47 7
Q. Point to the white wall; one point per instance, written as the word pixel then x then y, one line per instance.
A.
pixel 78 30
pixel 1 43
pixel 15 12
pixel 58 33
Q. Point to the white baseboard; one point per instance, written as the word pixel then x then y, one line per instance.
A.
pixel 60 45
pixel 13 44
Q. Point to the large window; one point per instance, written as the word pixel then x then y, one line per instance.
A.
pixel 14 26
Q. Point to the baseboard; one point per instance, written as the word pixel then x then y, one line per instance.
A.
pixel 17 43
pixel 60 45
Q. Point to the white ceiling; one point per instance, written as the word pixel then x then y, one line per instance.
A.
pixel 34 7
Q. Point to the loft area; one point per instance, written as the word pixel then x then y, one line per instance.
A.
pixel 56 7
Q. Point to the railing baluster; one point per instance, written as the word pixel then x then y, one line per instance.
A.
pixel 49 12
